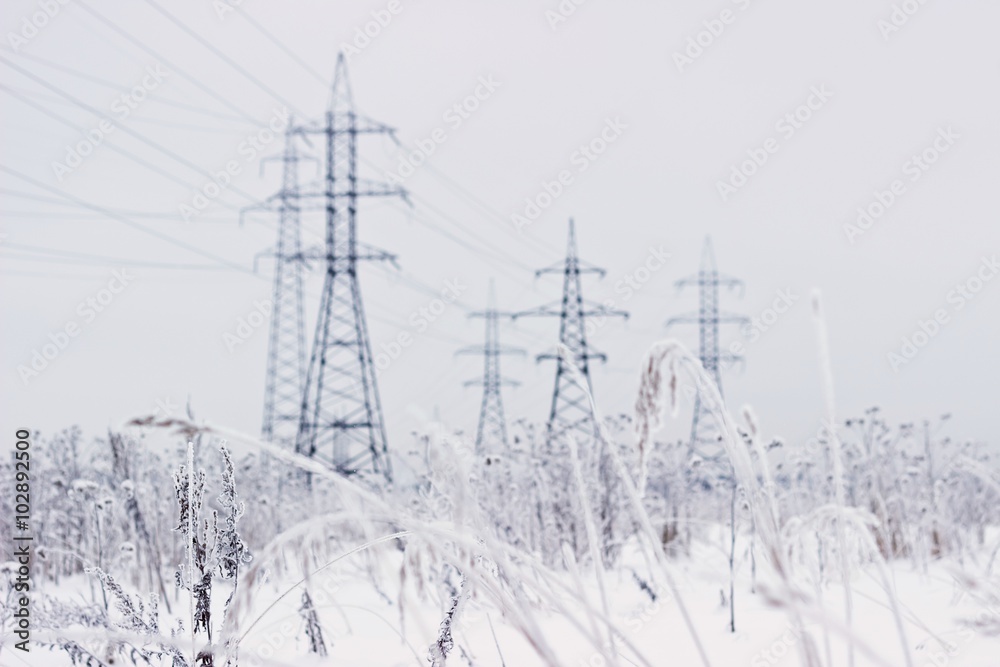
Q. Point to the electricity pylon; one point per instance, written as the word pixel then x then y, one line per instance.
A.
pixel 340 422
pixel 705 434
pixel 570 412
pixel 491 433
pixel 286 361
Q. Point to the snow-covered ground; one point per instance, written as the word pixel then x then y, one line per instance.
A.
pixel 364 628
pixel 494 561
pixel 386 625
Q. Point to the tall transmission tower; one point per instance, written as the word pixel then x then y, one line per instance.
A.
pixel 705 438
pixel 491 433
pixel 286 361
pixel 340 422
pixel 570 412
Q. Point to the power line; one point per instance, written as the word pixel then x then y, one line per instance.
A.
pixel 449 182
pixel 173 67
pixel 263 86
pixel 222 56
pixel 118 88
pixel 131 223
pixel 38 274
pixel 239 68
pixel 9 214
pixel 124 128
pixel 134 119
pixel 58 202
pixel 277 42
pixel 485 208
pixel 130 155
pixel 68 256
pixel 120 216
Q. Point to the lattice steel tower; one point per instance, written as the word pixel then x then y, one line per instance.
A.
pixel 286 361
pixel 704 430
pixel 570 412
pixel 341 416
pixel 491 433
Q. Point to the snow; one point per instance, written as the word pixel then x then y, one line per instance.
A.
pixel 531 561
pixel 362 627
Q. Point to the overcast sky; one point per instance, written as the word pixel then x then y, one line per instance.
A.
pixel 838 103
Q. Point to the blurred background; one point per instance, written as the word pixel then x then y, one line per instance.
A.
pixel 686 114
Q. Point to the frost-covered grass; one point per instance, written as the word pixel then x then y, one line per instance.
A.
pixel 617 553
pixel 362 626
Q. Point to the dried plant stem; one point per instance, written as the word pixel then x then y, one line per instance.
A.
pixel 592 543
pixel 640 511
pixel 190 545
pixel 838 466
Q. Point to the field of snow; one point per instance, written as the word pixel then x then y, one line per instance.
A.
pixel 368 626
pixel 363 627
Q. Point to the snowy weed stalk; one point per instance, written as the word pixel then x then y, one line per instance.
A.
pixel 838 464
pixel 838 481
pixel 592 543
pixel 516 568
pixel 636 502
pixel 649 408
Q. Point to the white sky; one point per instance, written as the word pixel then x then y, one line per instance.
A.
pixel 161 339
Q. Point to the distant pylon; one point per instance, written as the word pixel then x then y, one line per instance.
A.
pixel 570 412
pixel 340 422
pixel 491 434
pixel 286 361
pixel 705 440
